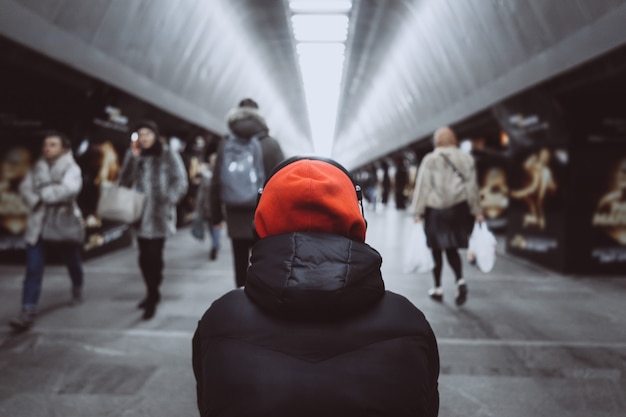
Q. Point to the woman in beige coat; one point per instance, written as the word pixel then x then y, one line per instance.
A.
pixel 446 197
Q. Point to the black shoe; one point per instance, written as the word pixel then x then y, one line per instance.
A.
pixel 77 296
pixel 23 322
pixel 144 303
pixel 436 294
pixel 149 311
pixel 213 254
pixel 461 293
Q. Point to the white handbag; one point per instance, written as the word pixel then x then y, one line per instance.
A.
pixel 482 247
pixel 417 256
pixel 120 204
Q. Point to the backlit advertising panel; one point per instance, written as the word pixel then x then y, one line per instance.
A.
pixel 537 178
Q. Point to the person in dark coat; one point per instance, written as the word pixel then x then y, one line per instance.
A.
pixel 244 122
pixel 314 332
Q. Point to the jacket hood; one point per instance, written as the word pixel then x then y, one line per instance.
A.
pixel 246 122
pixel 314 275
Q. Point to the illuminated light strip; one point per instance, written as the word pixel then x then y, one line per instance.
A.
pixel 320 30
pixel 311 6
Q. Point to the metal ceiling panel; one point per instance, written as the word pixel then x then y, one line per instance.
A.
pixel 463 57
pixel 193 58
pixel 411 65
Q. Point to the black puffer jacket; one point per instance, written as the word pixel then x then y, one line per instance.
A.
pixel 315 334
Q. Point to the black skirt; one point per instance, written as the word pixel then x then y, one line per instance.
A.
pixel 448 228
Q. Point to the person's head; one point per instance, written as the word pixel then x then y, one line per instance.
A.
pixel 444 136
pixel 248 102
pixel 55 144
pixel 246 122
pixel 310 195
pixel 147 134
pixel 15 164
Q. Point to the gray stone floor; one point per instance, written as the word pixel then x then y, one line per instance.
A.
pixel 529 342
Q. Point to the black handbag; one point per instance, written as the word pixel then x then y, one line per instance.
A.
pixel 63 223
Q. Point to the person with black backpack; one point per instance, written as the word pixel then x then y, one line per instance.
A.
pixel 246 155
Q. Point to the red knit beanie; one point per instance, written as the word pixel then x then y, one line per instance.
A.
pixel 310 196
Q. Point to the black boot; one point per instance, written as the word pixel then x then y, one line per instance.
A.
pixel 149 311
pixel 144 303
pixel 24 321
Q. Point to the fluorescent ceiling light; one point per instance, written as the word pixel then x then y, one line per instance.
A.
pixel 320 28
pixel 320 5
pixel 322 61
pixel 321 65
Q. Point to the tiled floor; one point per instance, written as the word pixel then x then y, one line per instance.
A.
pixel 529 342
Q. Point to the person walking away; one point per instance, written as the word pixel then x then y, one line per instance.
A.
pixel 202 211
pixel 446 197
pixel 401 179
pixel 250 152
pixel 153 168
pixel 314 333
pixel 55 179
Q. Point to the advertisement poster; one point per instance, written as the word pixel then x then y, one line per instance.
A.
pixel 536 227
pixel 599 221
pixel 100 156
pixel 19 149
pixel 20 143
pixel 493 187
pixel 597 225
pixel 537 178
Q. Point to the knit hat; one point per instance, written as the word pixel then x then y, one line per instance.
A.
pixel 310 195
pixel 149 124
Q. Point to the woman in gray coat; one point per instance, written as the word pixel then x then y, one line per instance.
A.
pixel 157 171
pixel 54 179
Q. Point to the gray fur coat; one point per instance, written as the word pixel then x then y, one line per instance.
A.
pixel 47 184
pixel 163 180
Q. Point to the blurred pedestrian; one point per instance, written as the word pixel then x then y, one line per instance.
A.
pixel 151 167
pixel 314 333
pixel 446 197
pixel 242 161
pixel 386 183
pixel 202 211
pixel 401 179
pixel 54 181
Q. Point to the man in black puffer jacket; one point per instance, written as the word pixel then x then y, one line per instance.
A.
pixel 314 333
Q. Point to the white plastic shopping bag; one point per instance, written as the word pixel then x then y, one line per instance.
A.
pixel 417 255
pixel 482 247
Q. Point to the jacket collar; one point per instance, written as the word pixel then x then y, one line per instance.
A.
pixel 314 275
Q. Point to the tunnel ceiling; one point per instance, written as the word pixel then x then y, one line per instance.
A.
pixel 411 65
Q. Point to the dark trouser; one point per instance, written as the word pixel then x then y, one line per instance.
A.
pixel 151 265
pixel 35 262
pixel 241 258
pixel 453 259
